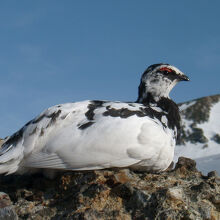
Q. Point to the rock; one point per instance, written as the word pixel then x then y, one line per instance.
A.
pixel 186 163
pixel 175 193
pixel 7 211
pixel 181 193
pixel 212 174
pixel 1 142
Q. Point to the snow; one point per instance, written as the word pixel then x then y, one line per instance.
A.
pixel 197 150
pixel 207 155
pixel 186 105
pixel 207 164
pixel 212 127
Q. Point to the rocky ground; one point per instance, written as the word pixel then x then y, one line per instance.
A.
pixel 181 193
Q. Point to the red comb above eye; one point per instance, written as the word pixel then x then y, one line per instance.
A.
pixel 166 69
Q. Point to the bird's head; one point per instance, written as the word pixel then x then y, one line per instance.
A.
pixel 158 80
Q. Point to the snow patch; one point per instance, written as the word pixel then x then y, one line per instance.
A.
pixel 207 155
pixel 207 164
pixel 186 105
pixel 212 127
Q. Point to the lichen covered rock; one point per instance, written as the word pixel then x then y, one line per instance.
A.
pixel 181 193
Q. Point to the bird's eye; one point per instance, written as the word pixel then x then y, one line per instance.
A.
pixel 166 70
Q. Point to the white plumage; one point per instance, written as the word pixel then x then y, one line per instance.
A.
pixel 92 135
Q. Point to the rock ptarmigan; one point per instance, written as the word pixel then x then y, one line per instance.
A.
pixel 91 135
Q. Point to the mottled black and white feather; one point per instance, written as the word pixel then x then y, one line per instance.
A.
pixel 97 134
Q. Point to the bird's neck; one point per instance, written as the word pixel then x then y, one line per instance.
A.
pixel 169 107
pixel 146 98
pixel 149 94
pixel 164 102
pixel 150 98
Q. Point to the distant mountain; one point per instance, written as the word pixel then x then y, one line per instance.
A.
pixel 200 135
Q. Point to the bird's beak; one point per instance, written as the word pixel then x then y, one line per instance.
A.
pixel 183 78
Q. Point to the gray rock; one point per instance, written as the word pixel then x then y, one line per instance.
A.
pixel 7 211
pixel 1 142
pixel 181 193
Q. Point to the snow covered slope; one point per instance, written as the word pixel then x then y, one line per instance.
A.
pixel 201 132
pixel 210 163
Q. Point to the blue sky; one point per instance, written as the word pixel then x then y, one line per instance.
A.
pixel 54 52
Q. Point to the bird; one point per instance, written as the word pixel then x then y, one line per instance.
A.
pixel 100 134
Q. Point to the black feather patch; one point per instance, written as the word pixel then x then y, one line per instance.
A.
pixel 91 108
pixel 12 141
pixel 86 125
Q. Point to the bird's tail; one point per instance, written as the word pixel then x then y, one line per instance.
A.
pixel 10 157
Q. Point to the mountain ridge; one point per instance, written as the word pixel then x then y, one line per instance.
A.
pixel 200 132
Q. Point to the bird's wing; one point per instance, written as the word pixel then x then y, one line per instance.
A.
pixel 36 133
pixel 88 135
